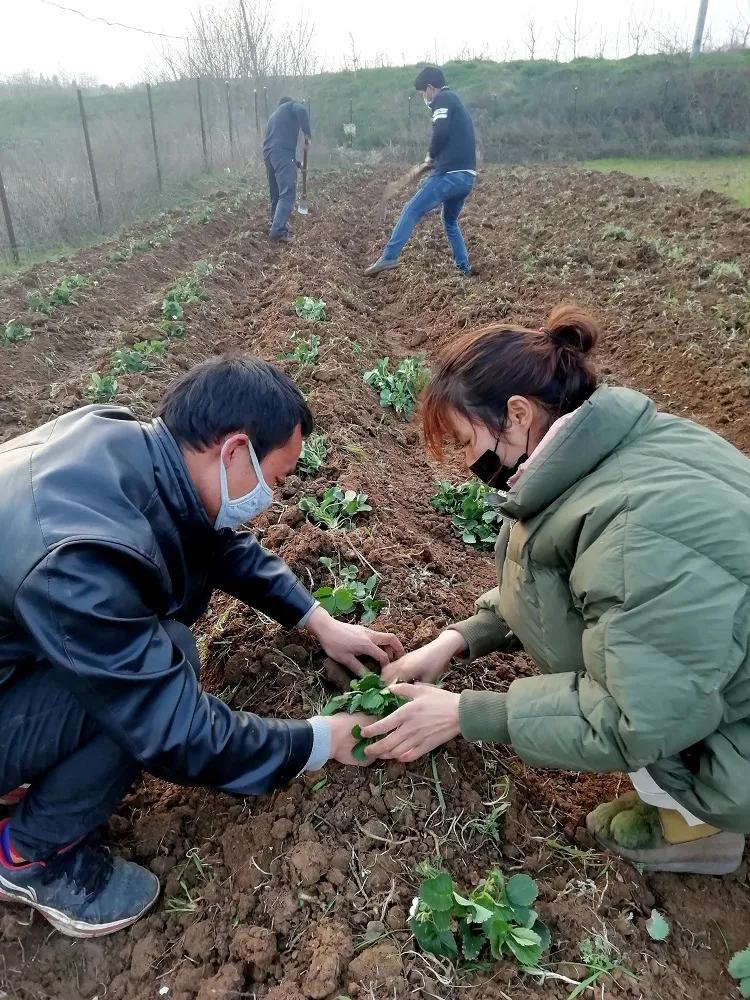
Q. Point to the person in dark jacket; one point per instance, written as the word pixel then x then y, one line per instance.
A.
pixel 280 157
pixel 116 534
pixel 452 166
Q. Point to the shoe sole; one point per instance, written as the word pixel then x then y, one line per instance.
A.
pixel 720 854
pixel 381 270
pixel 77 928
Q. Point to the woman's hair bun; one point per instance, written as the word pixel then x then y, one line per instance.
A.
pixel 570 326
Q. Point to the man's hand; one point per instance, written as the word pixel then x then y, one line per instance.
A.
pixel 429 720
pixel 342 741
pixel 429 662
pixel 344 643
pixel 308 142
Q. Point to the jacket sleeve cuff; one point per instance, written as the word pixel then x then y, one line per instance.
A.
pixel 296 605
pixel 484 633
pixel 483 717
pixel 302 623
pixel 320 753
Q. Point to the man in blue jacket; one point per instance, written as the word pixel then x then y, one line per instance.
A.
pixel 116 534
pixel 280 157
pixel 452 163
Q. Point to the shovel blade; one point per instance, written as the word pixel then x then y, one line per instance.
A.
pixel 303 209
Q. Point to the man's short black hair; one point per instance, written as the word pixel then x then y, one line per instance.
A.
pixel 233 393
pixel 285 100
pixel 431 76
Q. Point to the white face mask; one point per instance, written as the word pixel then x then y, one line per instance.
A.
pixel 234 513
pixel 427 103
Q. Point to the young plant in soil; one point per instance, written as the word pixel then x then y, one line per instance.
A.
pixel 369 694
pixel 138 357
pixel 739 968
pixel 306 350
pixel 309 308
pixel 496 916
pixel 597 954
pixel 471 519
pixel 314 454
pixel 401 388
pixel 101 388
pixel 14 333
pixel 336 509
pixel 348 595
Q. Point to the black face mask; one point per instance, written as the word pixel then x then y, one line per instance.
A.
pixel 491 470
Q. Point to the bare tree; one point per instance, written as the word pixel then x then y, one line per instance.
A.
pixel 602 44
pixel 530 42
pixel 638 30
pixel 353 61
pixel 741 31
pixel 558 43
pixel 573 32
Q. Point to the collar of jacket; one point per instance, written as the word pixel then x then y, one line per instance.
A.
pixel 446 87
pixel 173 479
pixel 606 420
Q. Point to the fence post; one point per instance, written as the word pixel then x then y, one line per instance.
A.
pixel 92 168
pixel 257 116
pixel 153 137
pixel 409 121
pixel 229 119
pixel 203 125
pixel 307 102
pixel 265 100
pixel 8 222
pixel 575 109
pixel 494 105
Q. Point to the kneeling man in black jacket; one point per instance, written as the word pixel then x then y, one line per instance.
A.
pixel 116 534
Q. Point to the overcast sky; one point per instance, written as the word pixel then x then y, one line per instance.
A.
pixel 43 39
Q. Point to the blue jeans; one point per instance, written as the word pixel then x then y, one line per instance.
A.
pixel 78 774
pixel 448 190
pixel 282 186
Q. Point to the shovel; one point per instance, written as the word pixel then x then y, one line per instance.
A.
pixel 302 206
pixel 402 183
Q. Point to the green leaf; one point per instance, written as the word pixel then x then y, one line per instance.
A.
pixel 369 682
pixel 472 941
pixel 358 750
pixel 344 599
pixel 745 987
pixel 657 926
pixel 429 938
pixel 739 966
pixel 372 702
pixel 477 914
pixel 437 892
pixel 545 937
pixel 336 704
pixel 497 930
pixel 525 954
pixel 442 919
pixel 521 890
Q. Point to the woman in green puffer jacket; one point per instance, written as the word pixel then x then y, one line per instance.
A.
pixel 623 569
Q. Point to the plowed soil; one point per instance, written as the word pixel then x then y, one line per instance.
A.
pixel 305 893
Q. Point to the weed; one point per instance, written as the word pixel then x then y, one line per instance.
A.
pixel 195 872
pixel 306 350
pixel 314 454
pixel 14 333
pixel 201 216
pixel 401 388
pixel 617 233
pixel 471 519
pixel 739 968
pixel 336 509
pixel 368 694
pixel 497 914
pixel 101 388
pixel 348 592
pixel 487 826
pixel 727 269
pixel 530 262
pixel 308 308
pixel 597 954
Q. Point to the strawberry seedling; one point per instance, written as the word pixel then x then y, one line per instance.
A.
pixel 314 454
pixel 101 388
pixel 37 302
pixel 306 350
pixel 739 968
pixel 471 519
pixel 401 388
pixel 497 915
pixel 62 294
pixel 336 509
pixel 369 694
pixel 138 357
pixel 14 333
pixel 308 308
pixel 347 593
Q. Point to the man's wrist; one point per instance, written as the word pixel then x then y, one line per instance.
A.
pixel 316 620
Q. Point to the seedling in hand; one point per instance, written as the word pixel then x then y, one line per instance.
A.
pixel 369 694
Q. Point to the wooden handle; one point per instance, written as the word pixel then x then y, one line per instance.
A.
pixel 304 173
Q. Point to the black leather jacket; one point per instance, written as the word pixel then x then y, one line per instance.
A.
pixel 103 537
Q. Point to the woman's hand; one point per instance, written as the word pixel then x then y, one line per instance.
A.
pixel 428 663
pixel 429 720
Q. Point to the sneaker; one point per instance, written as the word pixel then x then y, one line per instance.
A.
pixel 82 890
pixel 381 265
pixel 284 238
pixel 13 797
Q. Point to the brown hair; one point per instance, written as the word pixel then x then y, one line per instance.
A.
pixel 479 372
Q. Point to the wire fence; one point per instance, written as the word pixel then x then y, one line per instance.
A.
pixel 78 164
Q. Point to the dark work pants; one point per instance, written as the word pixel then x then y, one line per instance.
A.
pixel 78 775
pixel 282 186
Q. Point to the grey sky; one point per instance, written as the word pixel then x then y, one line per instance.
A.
pixel 42 39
